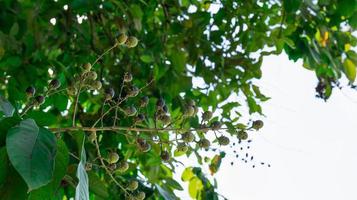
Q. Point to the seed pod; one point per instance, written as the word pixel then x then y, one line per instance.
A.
pixel 87 67
pixel 191 102
pixel 165 156
pixel 204 143
pixel 165 109
pixel 160 103
pixel 88 166
pixel 132 185
pixel 258 124
pixel 189 111
pixel 55 84
pixel 216 125
pixel 242 135
pixel 223 140
pixel 128 77
pixel 206 116
pixel 182 147
pixel 130 110
pixel 131 42
pixel 188 137
pixel 96 85
pixel 113 158
pixel 122 38
pixel 92 75
pixel 122 166
pixel 144 101
pixel 72 90
pixel 140 196
pixel 40 100
pixel 140 118
pixel 30 91
pixel 109 93
pixel 145 147
pixel 133 91
pixel 112 167
pixel 165 119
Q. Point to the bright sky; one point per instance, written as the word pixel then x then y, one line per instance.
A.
pixel 311 144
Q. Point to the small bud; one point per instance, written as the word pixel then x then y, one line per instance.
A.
pixel 55 84
pixel 132 185
pixel 165 156
pixel 258 124
pixel 87 67
pixel 131 42
pixel 122 38
pixel 30 91
pixel 113 158
pixel 206 116
pixel 144 101
pixel 109 93
pixel 216 125
pixel 40 100
pixel 128 77
pixel 223 140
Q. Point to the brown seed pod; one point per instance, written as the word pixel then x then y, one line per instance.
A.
pixel 128 77
pixel 122 166
pixel 122 38
pixel 258 124
pixel 204 143
pixel 55 84
pixel 144 101
pixel 109 93
pixel 30 91
pixel 132 185
pixel 39 100
pixel 131 42
pixel 216 125
pixel 87 67
pixel 223 140
pixel 165 156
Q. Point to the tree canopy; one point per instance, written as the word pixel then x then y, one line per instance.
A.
pixel 97 98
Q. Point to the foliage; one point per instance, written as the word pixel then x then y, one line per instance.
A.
pixel 135 110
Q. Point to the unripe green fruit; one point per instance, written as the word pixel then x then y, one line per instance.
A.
pixel 113 158
pixel 204 143
pixel 122 38
pixel 87 67
pixel 122 166
pixel 188 137
pixel 96 85
pixel 30 91
pixel 242 135
pixel 128 77
pixel 165 156
pixel 55 83
pixel 40 100
pixel 132 185
pixel 140 196
pixel 206 116
pixel 182 147
pixel 72 90
pixel 189 111
pixel 216 125
pixel 130 111
pixel 258 124
pixel 223 140
pixel 165 119
pixel 109 93
pixel 92 75
pixel 133 91
pixel 131 42
pixel 144 101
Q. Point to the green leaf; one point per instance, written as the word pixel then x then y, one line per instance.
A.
pixel 173 184
pixel 346 7
pixel 350 69
pixel 147 58
pixel 6 107
pixel 61 163
pixel 97 186
pixel 13 187
pixel 187 174
pixel 3 165
pixel 167 195
pixel 32 151
pixel 5 125
pixel 194 187
pixel 291 6
pixel 82 189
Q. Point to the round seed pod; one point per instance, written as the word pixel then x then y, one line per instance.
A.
pixel 122 166
pixel 160 103
pixel 55 84
pixel 140 196
pixel 144 101
pixel 39 99
pixel 258 124
pixel 109 93
pixel 128 77
pixel 165 156
pixel 113 158
pixel 87 67
pixel 216 125
pixel 204 143
pixel 88 166
pixel 182 147
pixel 96 85
pixel 122 38
pixel 133 91
pixel 112 167
pixel 223 140
pixel 188 137
pixel 30 91
pixel 130 111
pixel 189 110
pixel 242 135
pixel 165 119
pixel 132 185
pixel 206 116
pixel 92 75
pixel 131 42
pixel 72 90
pixel 140 118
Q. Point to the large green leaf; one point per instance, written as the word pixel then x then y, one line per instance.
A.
pixel 32 151
pixel 97 186
pixel 167 195
pixel 6 107
pixel 5 125
pixel 61 163
pixel 3 165
pixel 82 189
pixel 14 187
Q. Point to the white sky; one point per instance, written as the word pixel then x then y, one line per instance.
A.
pixel 311 144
